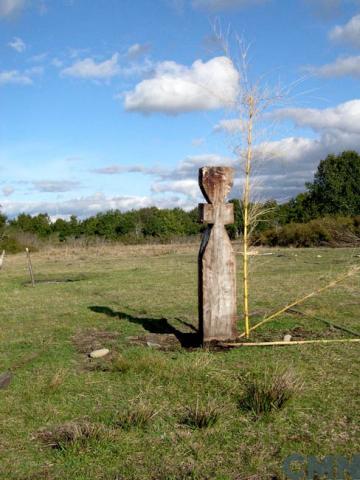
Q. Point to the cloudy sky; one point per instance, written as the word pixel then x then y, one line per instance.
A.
pixel 117 103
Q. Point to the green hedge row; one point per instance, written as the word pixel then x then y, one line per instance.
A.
pixel 327 231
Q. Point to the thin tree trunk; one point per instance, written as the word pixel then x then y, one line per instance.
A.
pixel 30 268
pixel 249 153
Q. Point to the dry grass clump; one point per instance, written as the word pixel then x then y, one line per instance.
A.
pixel 268 392
pixel 70 433
pixel 200 415
pixel 136 416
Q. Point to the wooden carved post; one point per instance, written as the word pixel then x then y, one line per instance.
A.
pixel 217 266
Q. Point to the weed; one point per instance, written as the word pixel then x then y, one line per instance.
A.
pixel 136 416
pixel 200 415
pixel 268 392
pixel 69 433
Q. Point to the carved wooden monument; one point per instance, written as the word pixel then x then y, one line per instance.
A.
pixel 217 266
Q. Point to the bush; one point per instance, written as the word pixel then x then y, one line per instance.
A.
pixel 330 231
pixel 11 245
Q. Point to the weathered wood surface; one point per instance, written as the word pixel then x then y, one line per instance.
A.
pixel 217 265
pixel 2 256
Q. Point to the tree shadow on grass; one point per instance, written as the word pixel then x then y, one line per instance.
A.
pixel 156 325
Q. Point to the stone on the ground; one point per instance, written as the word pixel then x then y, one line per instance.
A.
pixel 153 344
pixel 287 338
pixel 102 352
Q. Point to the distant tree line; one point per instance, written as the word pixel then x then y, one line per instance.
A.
pixel 331 202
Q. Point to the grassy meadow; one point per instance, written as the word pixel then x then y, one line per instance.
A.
pixel 144 412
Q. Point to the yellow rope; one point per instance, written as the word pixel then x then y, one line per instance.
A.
pixel 352 272
pixel 296 342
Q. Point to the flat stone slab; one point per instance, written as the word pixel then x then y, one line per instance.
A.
pixel 102 352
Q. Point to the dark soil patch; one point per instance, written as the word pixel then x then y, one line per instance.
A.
pixel 300 333
pixel 44 474
pixel 158 341
pixel 158 326
pixel 89 340
pixel 49 281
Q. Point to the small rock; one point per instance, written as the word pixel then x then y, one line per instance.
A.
pixel 319 256
pixel 153 345
pixel 5 379
pixel 287 338
pixel 99 353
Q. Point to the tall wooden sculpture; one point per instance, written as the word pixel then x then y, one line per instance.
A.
pixel 217 265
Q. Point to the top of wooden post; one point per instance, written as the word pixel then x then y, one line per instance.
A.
pixel 216 183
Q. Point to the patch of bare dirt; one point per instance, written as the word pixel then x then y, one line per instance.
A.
pixel 89 340
pixel 158 341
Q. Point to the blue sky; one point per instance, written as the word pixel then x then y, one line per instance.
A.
pixel 117 103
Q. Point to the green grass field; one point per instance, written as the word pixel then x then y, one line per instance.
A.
pixel 129 412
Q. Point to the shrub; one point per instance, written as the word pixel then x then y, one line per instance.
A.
pixel 11 245
pixel 331 231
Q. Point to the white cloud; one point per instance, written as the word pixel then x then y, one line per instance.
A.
pixel 281 167
pixel 325 9
pixel 349 33
pixel 91 205
pixel 10 7
pixel 33 71
pixel 7 191
pixel 231 125
pixel 144 67
pixel 119 169
pixel 137 50
pixel 38 58
pixel 341 67
pixel 344 117
pixel 197 142
pixel 14 77
pixel 55 186
pixel 176 88
pixel 189 167
pixel 56 62
pixel 217 5
pixel 89 69
pixel 188 187
pixel 17 44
